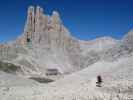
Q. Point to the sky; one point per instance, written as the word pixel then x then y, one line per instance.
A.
pixel 85 19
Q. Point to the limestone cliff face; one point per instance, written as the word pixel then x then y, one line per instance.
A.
pixel 46 34
pixel 7 52
pixel 128 40
pixel 42 29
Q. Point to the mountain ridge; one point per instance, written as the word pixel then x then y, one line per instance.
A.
pixel 47 43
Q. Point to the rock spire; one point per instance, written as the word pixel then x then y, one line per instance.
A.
pixel 38 25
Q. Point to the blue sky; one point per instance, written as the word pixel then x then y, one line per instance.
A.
pixel 86 19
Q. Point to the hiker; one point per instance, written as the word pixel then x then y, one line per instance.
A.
pixel 99 81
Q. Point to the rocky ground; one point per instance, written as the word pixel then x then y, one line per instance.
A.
pixel 81 85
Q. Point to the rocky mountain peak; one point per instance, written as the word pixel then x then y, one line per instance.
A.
pixel 46 34
pixel 38 25
pixel 128 40
pixel 55 18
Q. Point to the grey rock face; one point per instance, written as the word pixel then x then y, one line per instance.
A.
pixel 7 52
pixel 128 41
pixel 46 43
pixel 123 48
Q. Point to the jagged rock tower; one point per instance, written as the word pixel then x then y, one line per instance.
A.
pixel 40 28
pixel 46 34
